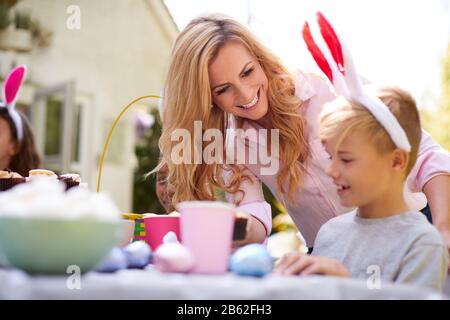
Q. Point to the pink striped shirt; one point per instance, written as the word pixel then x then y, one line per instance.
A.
pixel 317 199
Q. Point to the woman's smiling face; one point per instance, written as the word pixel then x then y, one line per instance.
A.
pixel 238 82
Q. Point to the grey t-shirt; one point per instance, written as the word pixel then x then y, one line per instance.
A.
pixel 403 248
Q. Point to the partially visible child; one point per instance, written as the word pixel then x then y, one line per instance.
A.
pixel 369 171
pixel 164 192
pixel 20 156
pixel 17 148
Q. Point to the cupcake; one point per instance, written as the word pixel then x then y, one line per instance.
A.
pixel 41 173
pixel 70 179
pixel 174 213
pixel 9 179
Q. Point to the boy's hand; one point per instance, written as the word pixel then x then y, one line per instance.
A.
pixel 301 264
pixel 446 237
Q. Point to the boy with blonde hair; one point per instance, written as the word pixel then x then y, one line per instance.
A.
pixel 369 171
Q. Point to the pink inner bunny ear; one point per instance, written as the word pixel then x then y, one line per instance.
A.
pixel 316 53
pixel 13 83
pixel 332 41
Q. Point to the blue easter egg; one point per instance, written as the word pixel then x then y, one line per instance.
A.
pixel 138 254
pixel 114 261
pixel 251 260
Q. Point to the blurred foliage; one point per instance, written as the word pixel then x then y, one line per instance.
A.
pixel 53 127
pixel 5 18
pixel 42 36
pixel 281 219
pixel 437 122
pixel 22 20
pixel 147 154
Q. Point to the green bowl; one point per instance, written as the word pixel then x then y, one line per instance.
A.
pixel 50 246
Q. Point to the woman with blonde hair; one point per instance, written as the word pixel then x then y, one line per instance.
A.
pixel 222 79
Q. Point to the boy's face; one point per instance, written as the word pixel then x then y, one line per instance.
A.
pixel 359 171
pixel 163 190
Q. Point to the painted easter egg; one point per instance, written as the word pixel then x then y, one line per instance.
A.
pixel 173 257
pixel 251 260
pixel 114 261
pixel 138 254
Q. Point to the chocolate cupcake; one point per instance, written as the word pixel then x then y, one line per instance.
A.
pixel 9 179
pixel 70 179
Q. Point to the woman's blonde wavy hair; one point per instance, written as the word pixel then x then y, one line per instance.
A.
pixel 187 98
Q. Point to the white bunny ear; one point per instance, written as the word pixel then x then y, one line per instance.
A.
pixel 17 122
pixel 333 58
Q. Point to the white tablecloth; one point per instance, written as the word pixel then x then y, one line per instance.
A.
pixel 151 284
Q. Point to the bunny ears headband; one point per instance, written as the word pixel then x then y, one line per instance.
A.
pixel 11 88
pixel 336 63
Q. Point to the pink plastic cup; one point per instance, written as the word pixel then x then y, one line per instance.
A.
pixel 157 226
pixel 207 230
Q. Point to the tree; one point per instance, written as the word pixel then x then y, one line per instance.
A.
pixel 147 154
pixel 438 122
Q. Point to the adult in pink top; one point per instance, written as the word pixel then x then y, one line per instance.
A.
pixel 220 72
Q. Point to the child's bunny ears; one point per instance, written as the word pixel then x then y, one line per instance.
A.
pixel 11 89
pixel 333 58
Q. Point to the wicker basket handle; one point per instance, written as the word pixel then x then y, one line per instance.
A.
pixel 111 131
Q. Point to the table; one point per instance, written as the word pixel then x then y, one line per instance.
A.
pixel 151 284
